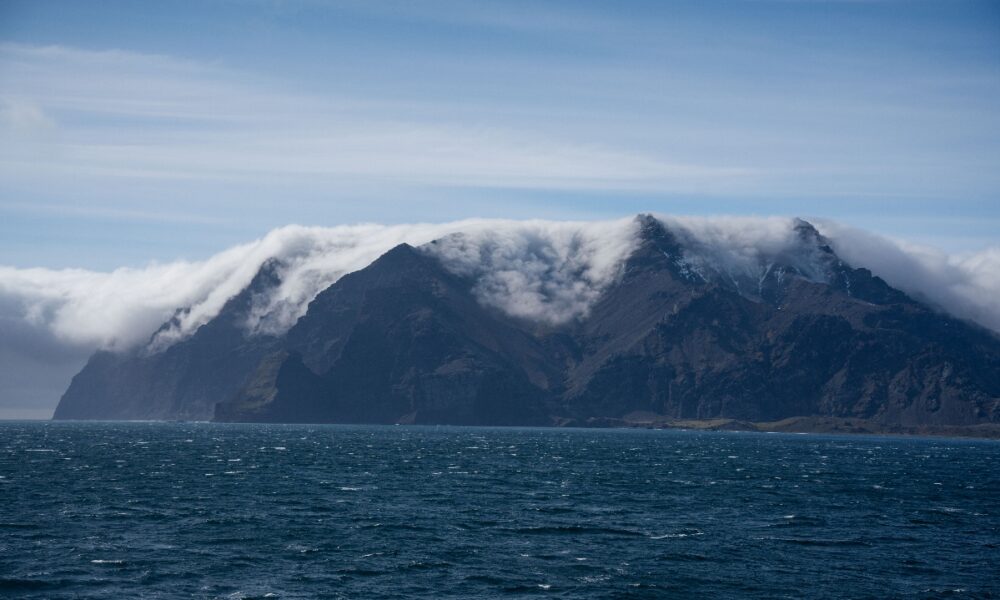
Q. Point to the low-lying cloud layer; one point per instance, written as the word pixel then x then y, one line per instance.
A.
pixel 966 285
pixel 546 271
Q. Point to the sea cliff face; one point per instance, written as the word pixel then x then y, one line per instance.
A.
pixel 408 340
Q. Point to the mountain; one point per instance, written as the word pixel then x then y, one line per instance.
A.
pixel 681 333
pixel 183 381
pixel 406 341
pixel 808 337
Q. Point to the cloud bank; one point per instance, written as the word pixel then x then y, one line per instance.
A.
pixel 966 284
pixel 546 271
pixel 543 270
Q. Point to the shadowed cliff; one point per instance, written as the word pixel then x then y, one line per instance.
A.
pixel 675 336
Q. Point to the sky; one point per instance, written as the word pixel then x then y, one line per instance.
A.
pixel 142 135
pixel 140 131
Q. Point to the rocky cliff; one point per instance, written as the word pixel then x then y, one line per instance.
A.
pixel 676 335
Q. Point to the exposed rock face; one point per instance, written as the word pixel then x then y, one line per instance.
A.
pixel 854 347
pixel 406 341
pixel 185 381
pixel 400 341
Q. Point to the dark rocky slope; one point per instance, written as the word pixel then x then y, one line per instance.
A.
pixel 400 341
pixel 854 347
pixel 405 340
pixel 185 380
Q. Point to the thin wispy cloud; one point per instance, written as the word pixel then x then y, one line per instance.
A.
pixel 112 213
pixel 20 116
pixel 194 121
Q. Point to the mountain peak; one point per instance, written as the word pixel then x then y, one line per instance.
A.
pixel 653 231
pixel 657 246
pixel 403 259
pixel 650 228
pixel 808 234
pixel 804 228
pixel 692 328
pixel 400 250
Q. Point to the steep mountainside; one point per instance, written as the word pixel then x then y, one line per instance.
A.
pixel 400 341
pixel 688 344
pixel 679 334
pixel 185 380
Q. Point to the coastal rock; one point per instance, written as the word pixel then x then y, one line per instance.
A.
pixel 675 336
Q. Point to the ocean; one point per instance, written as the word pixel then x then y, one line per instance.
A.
pixel 199 510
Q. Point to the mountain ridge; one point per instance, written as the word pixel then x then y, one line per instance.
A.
pixel 406 340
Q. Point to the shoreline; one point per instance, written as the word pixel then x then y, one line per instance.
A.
pixel 799 425
pixel 807 425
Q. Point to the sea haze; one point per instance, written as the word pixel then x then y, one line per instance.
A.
pixel 170 510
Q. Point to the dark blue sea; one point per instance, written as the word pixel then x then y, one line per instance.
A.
pixel 190 510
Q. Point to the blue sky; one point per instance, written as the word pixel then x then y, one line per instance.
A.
pixel 138 131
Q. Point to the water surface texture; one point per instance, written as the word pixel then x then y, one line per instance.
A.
pixel 153 510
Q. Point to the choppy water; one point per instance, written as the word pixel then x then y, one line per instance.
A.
pixel 120 510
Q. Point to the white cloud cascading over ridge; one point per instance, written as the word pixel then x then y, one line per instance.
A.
pixel 966 285
pixel 546 271
pixel 543 271
pixel 744 249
